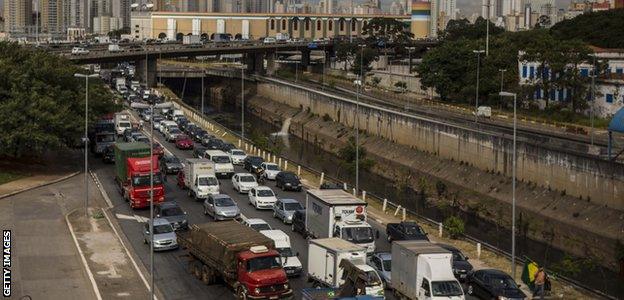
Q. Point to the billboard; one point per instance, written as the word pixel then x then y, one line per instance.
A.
pixel 421 10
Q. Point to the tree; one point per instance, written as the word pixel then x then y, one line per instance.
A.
pixel 345 53
pixel 347 154
pixel 402 85
pixel 375 81
pixel 116 34
pixel 42 103
pixel 463 29
pixel 602 29
pixel 362 61
pixel 388 31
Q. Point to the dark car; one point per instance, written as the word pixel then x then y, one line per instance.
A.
pixel 226 147
pixel 128 134
pixel 298 222
pixel 405 231
pixel 172 213
pixel 252 163
pixel 170 164
pixel 288 181
pixel 108 156
pixel 213 144
pixel 493 284
pixel 198 134
pixel 461 266
pixel 199 152
pixel 190 128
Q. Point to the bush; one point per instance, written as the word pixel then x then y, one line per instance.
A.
pixel 454 226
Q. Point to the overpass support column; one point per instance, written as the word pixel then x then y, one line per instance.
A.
pixel 270 59
pixel 327 59
pixel 255 63
pixel 305 58
pixel 150 71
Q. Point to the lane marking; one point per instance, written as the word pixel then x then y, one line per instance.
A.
pixel 83 259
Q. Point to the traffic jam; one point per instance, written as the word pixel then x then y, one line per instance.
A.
pixel 245 224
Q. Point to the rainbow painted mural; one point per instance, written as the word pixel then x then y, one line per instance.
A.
pixel 421 10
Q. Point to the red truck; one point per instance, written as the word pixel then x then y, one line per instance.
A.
pixel 132 164
pixel 238 255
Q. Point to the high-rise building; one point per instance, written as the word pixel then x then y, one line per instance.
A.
pixel 17 16
pixel 488 9
pixel 52 17
pixel 121 10
pixel 512 7
pixel 618 4
pixel 75 13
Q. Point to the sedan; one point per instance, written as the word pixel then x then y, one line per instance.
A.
pixel 221 207
pixel 158 149
pixel 257 224
pixel 199 152
pixel 170 164
pixel 183 142
pixel 284 209
pixel 262 197
pixel 382 263
pixel 493 284
pixel 288 181
pixel 252 163
pixel 171 212
pixel 461 266
pixel 213 144
pixel 172 133
pixel 237 156
pixel 269 170
pixel 164 235
pixel 243 182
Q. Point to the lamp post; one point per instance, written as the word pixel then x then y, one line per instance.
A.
pixel 593 97
pixel 502 80
pixel 243 103
pixel 513 187
pixel 357 120
pixel 478 52
pixel 487 28
pixel 85 139
pixel 409 62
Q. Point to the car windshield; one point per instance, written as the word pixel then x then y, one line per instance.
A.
pixel 105 138
pixel 358 234
pixel 264 263
pixel 502 282
pixel 221 159
pixel 174 130
pixel 182 137
pixel 173 159
pixel 207 181
pixel 224 202
pixel 238 152
pixel 387 265
pixel 292 206
pixel 124 124
pixel 272 168
pixel 290 176
pixel 285 252
pixel 261 226
pixel 458 256
pixel 165 228
pixel 144 180
pixel 247 178
pixel 413 230
pixel 265 193
pixel 372 279
pixel 142 139
pixel 171 211
pixel 446 288
pixel 255 160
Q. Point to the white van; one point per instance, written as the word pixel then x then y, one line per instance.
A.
pixel 122 122
pixel 176 114
pixel 290 261
pixel 223 163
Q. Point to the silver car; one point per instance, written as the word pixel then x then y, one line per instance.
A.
pixel 284 209
pixel 221 207
pixel 164 235
pixel 382 262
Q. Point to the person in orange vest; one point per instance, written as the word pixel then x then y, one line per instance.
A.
pixel 540 281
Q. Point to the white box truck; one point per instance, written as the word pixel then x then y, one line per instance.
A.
pixel 336 213
pixel 114 48
pixel 199 178
pixel 326 266
pixel 422 270
pixel 122 122
pixel 290 261
pixel 223 163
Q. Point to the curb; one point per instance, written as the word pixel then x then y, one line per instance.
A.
pixel 82 257
pixel 40 185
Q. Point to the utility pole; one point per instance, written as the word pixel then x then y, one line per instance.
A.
pixel 243 104
pixel 357 121
pixel 202 91
pixel 502 80
pixel 478 52
pixel 593 97
pixel 513 192
pixel 487 29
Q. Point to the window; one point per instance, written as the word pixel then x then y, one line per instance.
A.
pixel 619 71
pixel 330 25
pixel 295 24
pixel 272 24
pixel 353 23
pixel 532 72
pixel 561 95
pixel 307 24
pixel 425 285
pixel 585 72
pixel 341 25
pixel 283 24
pixel 609 98
pixel 318 25
pixel 538 93
pixel 524 71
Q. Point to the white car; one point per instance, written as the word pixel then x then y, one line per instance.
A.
pixel 173 133
pixel 269 40
pixel 262 197
pixel 243 182
pixel 257 224
pixel 79 51
pixel 237 156
pixel 270 170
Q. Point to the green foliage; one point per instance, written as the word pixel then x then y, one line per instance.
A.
pixel 116 34
pixel 348 155
pixel 363 59
pixel 375 81
pixel 463 29
pixel 42 103
pixel 602 29
pixel 401 85
pixel 388 30
pixel 440 188
pixel 454 226
pixel 10 176
pixel 345 52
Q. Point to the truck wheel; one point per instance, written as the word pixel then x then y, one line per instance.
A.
pixel 197 271
pixel 389 239
pixel 206 275
pixel 241 293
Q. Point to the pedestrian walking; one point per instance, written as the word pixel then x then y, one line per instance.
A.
pixel 540 281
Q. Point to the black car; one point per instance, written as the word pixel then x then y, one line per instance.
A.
pixel 405 231
pixel 493 284
pixel 170 164
pixel 199 152
pixel 226 147
pixel 461 266
pixel 252 163
pixel 198 134
pixel 190 128
pixel 108 156
pixel 205 138
pixel 213 144
pixel 171 212
pixel 128 133
pixel 288 181
pixel 298 222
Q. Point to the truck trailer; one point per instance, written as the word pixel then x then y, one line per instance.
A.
pixel 241 257
pixel 132 166
pixel 336 213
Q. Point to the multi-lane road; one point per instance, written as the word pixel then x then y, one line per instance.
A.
pixel 172 278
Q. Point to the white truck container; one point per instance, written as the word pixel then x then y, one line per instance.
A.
pixel 336 213
pixel 282 37
pixel 484 111
pixel 223 163
pixel 114 48
pixel 120 83
pixel 191 40
pixel 122 122
pixel 324 257
pixel 199 178
pixel 290 261
pixel 422 270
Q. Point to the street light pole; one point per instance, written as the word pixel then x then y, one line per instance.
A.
pixel 202 91
pixel 478 52
pixel 513 187
pixel 487 29
pixel 86 137
pixel 593 97
pixel 243 104
pixel 152 202
pixel 357 121
pixel 502 80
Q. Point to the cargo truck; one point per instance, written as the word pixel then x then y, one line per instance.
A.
pixel 422 270
pixel 102 135
pixel 336 213
pixel 241 257
pixel 336 263
pixel 132 165
pixel 199 178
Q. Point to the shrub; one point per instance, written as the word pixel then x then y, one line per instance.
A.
pixel 454 226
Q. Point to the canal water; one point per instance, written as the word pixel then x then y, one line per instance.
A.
pixel 308 154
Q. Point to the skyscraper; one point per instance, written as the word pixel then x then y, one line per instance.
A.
pixel 121 9
pixel 488 9
pixel 52 17
pixel 17 16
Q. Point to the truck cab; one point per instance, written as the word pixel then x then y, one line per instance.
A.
pixel 260 274
pixel 136 187
pixel 223 163
pixel 122 122
pixel 357 232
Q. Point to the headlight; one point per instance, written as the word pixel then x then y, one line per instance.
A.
pixel 257 290
pixel 502 298
pixel 288 184
pixel 286 286
pixel 184 221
